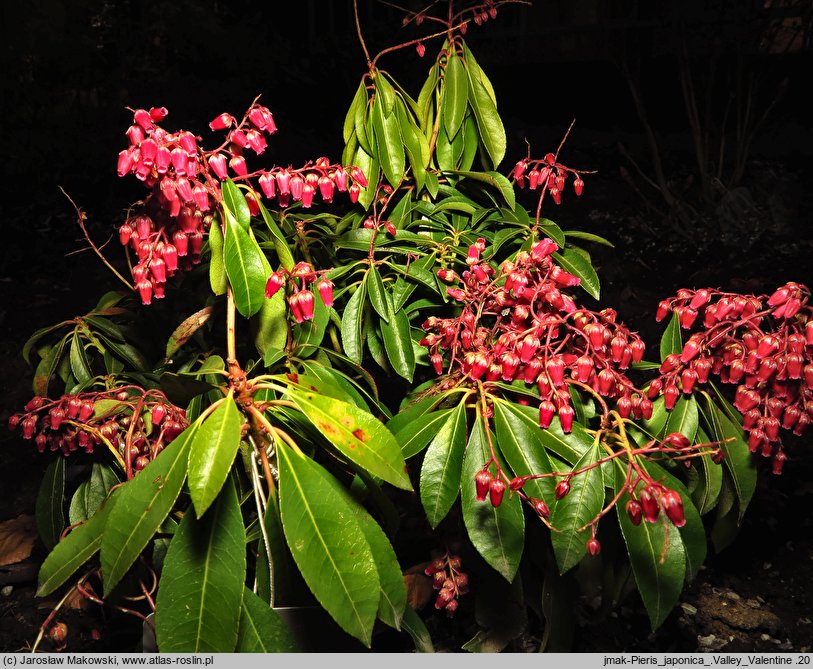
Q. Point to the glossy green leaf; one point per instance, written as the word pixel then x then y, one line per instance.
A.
pixel 277 239
pixel 48 508
pixel 442 465
pixel 377 293
pixel 198 606
pixel 262 630
pixel 415 627
pixel 357 434
pixel 91 493
pixel 212 453
pixel 145 501
pixel 398 344
pixel 492 132
pixel 39 334
pixel 385 93
pixel 416 146
pixel 498 533
pixel 235 202
pixel 327 544
pixel 448 151
pixel 707 493
pixel 310 333
pixel 79 360
pixel 426 96
pixel 74 550
pixel 412 410
pixel 671 342
pixel 588 237
pixel 473 68
pixel 271 325
pixel 575 263
pixel 188 327
pixel 244 268
pixel 126 352
pixel 218 281
pixel 455 94
pixel 359 102
pixel 518 437
pixel 684 418
pixel 496 181
pixel 47 367
pixel 658 563
pixel 352 321
pixel 578 508
pixel 389 144
pixel 416 434
pixel 738 459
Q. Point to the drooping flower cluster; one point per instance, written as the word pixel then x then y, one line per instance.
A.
pixel 90 419
pixel 448 580
pixel 300 298
pixel 546 175
pixel 762 344
pixel 517 324
pixel 166 232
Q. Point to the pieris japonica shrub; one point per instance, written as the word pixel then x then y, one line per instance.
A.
pixel 379 370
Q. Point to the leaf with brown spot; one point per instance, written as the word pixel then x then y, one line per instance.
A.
pixel 187 328
pixel 17 537
pixel 342 424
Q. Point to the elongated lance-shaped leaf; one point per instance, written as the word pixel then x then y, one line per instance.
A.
pixel 146 500
pixel 575 510
pixel 398 344
pixel 518 436
pixel 327 544
pixel 359 102
pixel 455 94
pixel 684 418
pixel 244 267
pixel 378 294
pixel 262 629
pixel 417 434
pixel 201 590
pixel 388 142
pixel 235 202
pixel 352 320
pixel 188 327
pixel 415 627
pixel 48 509
pixel 47 367
pixel 91 493
pixel 357 434
pixel 498 533
pixel 495 180
pixel 492 132
pixel 738 459
pixel 658 561
pixel 212 453
pixel 442 465
pixel 671 342
pixel 79 360
pixel 218 281
pixel 575 263
pixel 416 146
pixel 74 550
pixel 286 259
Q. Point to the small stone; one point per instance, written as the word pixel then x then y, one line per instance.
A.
pixel 804 621
pixel 733 596
pixel 753 603
pixel 688 609
pixel 766 566
pixel 765 637
pixel 8 589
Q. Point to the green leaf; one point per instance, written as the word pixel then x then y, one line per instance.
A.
pixel 442 465
pixel 90 494
pixel 352 320
pixel 575 510
pixel 473 68
pixel 271 326
pixel 201 590
pixel 74 550
pixel 385 93
pixel 707 493
pixel 244 268
pixel 415 627
pixel 390 146
pixel 39 334
pixel 684 418
pixel 495 180
pixel 589 237
pixel 498 533
pixel 398 344
pixel 359 102
pixel 417 147
pixel 671 343
pixel 126 352
pixel 262 630
pixel 47 367
pixel 146 500
pixel 658 562
pixel 212 453
pixel 357 434
pixel 188 327
pixel 79 361
pixel 738 459
pixel 455 93
pixel 518 436
pixel 278 239
pixel 416 434
pixel 327 544
pixel 234 202
pixel 489 123
pixel 377 293
pixel 218 281
pixel 575 263
pixel 48 511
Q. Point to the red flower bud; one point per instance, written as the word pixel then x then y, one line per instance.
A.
pixel 274 283
pixel 566 414
pixel 482 484
pixel 546 412
pixel 593 546
pixel 649 504
pixel 635 511
pixel 673 507
pixel 561 489
pixel 496 491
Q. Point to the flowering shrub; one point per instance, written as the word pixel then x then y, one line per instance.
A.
pixel 417 343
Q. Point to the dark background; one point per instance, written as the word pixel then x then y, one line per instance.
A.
pixel 70 70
